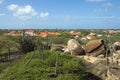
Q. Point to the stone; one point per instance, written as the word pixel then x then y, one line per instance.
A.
pixel 95 47
pixel 74 48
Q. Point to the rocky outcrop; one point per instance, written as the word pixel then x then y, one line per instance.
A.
pixel 95 47
pixel 113 73
pixel 116 46
pixel 74 48
pixel 99 68
pixel 103 67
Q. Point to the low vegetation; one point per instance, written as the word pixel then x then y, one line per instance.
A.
pixel 49 66
pixel 39 63
pixel 7 45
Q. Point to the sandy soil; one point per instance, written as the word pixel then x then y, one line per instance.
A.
pixel 90 59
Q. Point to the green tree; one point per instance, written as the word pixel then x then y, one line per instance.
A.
pixel 26 44
pixel 7 44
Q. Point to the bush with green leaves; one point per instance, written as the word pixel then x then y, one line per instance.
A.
pixel 26 44
pixel 66 67
pixel 7 45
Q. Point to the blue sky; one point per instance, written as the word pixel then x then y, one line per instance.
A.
pixel 62 14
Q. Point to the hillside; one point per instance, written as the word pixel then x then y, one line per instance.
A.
pixel 47 65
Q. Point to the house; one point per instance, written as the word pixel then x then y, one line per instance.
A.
pixel 12 33
pixel 88 37
pixel 54 33
pixel 44 34
pixel 30 32
pixel 112 32
pixel 84 38
pixel 74 33
pixel 20 32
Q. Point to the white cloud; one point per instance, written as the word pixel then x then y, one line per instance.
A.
pixel 44 15
pixel 12 7
pixel 107 4
pixel 94 0
pixel 22 12
pixel 26 12
pixel 1 1
pixel 2 14
pixel 104 8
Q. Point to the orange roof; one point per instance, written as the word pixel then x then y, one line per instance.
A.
pixel 90 36
pixel 73 33
pixel 43 34
pixel 53 33
pixel 29 31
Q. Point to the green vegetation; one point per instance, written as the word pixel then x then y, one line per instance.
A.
pixel 39 63
pixel 7 45
pixel 3 66
pixel 26 44
pixel 67 68
pixel 85 32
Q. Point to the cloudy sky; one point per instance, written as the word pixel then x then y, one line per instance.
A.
pixel 62 14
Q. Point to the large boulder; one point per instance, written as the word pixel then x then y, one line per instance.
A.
pixel 104 69
pixel 116 46
pixel 95 47
pixel 73 47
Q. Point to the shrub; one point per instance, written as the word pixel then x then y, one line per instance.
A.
pixel 68 77
pixel 26 44
pixel 68 68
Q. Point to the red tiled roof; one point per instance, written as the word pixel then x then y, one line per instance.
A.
pixel 90 36
pixel 53 33
pixel 29 31
pixel 44 34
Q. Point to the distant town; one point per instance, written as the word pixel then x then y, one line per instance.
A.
pixel 55 32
